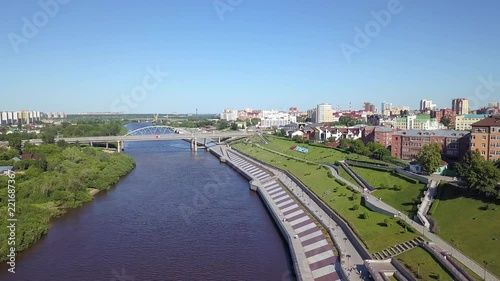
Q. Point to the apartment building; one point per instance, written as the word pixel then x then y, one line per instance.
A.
pixel 380 134
pixel 407 144
pixel 460 106
pixel 464 122
pixel 485 137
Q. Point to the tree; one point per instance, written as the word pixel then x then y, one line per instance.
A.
pixel 446 121
pixel 357 146
pixel 48 137
pixel 255 121
pixel 15 141
pixel 234 126
pixel 222 124
pixel 429 157
pixel 480 174
pixel 344 144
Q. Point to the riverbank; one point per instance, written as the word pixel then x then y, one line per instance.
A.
pixel 312 251
pixel 59 178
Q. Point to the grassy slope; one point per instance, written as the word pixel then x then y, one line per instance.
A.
pixel 371 230
pixel 402 199
pixel 429 268
pixel 473 231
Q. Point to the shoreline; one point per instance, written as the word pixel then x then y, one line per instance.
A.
pixel 269 187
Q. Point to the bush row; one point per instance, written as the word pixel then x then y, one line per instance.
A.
pixel 340 182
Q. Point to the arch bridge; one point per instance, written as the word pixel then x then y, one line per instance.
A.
pixel 151 133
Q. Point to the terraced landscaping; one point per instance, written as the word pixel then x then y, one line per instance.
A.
pixel 423 266
pixel 385 182
pixel 338 198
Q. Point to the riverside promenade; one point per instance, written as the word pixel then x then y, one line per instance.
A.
pixel 313 253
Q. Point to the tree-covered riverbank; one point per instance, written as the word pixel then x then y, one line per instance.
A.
pixel 56 177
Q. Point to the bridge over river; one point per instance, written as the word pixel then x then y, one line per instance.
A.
pixel 155 133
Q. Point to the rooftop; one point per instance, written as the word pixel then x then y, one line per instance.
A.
pixel 487 122
pixel 437 133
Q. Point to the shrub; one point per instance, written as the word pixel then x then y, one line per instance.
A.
pixel 340 182
pixel 365 215
pixel 329 173
pixel 355 207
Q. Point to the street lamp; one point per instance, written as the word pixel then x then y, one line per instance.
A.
pixel 345 241
pixel 485 265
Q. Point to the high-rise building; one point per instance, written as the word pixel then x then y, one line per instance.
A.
pixel 426 105
pixel 369 107
pixel 486 137
pixel 460 106
pixel 386 106
pixel 324 113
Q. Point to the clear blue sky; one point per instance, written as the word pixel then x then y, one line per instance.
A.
pixel 262 54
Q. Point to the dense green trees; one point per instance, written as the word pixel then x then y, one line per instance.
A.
pixel 446 121
pixel 480 174
pixel 429 157
pixel 60 177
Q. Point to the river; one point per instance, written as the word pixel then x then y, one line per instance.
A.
pixel 178 215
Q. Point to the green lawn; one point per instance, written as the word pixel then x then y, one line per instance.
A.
pixel 346 176
pixel 420 261
pixel 463 222
pixel 402 199
pixel 315 177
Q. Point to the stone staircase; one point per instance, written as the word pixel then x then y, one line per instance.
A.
pixel 398 249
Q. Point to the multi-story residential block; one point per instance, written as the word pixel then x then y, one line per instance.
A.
pixel 229 114
pixel 274 118
pixel 324 113
pixel 311 114
pixel 446 112
pixel 485 137
pixel 380 134
pixel 407 144
pixel 464 122
pixel 426 105
pixel 460 106
pixel 417 122
pixel 386 107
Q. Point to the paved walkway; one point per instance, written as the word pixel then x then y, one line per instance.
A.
pixel 468 262
pixel 353 264
pixel 319 253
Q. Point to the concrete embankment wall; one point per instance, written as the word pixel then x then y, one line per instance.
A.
pixel 302 269
pixel 338 220
pixel 374 208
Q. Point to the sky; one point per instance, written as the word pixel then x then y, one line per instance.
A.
pixel 180 56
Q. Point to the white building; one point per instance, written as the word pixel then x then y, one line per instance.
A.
pixel 426 105
pixel 274 118
pixel 324 113
pixel 229 114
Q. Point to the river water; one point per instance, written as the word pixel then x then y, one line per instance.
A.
pixel 178 215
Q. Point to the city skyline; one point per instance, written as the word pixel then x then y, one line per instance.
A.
pixel 179 56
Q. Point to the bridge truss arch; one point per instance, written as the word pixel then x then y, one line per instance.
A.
pixel 153 130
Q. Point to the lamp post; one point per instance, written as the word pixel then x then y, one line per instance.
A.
pixel 485 265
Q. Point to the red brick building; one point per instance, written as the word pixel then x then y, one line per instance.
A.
pixel 407 144
pixel 378 134
pixel 438 114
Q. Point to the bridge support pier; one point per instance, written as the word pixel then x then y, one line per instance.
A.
pixel 91 144
pixel 107 145
pixel 194 144
pixel 119 147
